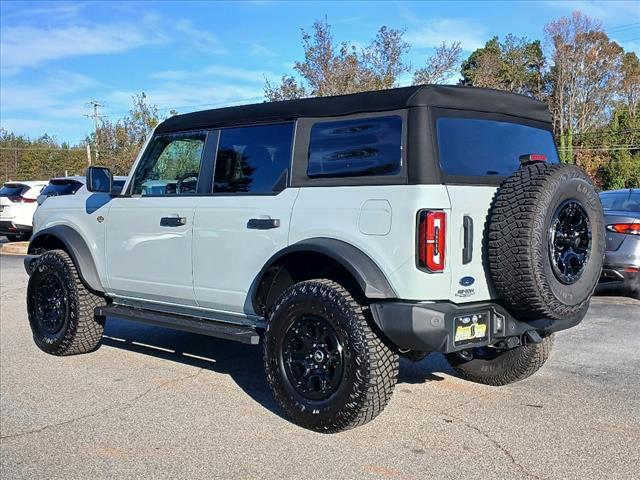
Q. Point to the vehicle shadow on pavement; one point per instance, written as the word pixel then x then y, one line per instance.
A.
pixel 243 363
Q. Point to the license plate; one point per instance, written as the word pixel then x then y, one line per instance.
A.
pixel 471 328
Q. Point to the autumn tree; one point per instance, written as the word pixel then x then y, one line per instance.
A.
pixel 515 65
pixel 584 78
pixel 120 141
pixel 331 68
pixel 630 82
pixel 440 66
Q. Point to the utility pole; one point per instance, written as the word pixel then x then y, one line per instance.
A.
pixel 95 115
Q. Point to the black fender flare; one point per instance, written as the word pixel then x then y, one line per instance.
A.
pixel 77 249
pixel 364 270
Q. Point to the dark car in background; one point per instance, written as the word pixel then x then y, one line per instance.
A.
pixel 70 185
pixel 622 256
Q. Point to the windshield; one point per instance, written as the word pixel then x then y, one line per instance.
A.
pixel 480 147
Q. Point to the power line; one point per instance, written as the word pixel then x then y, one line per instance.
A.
pixel 599 149
pixel 619 28
pixel 606 132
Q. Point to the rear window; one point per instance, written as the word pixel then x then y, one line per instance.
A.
pixel 621 201
pixel 480 147
pixel 360 147
pixel 61 188
pixel 12 190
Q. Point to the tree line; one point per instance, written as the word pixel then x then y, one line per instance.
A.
pixel 592 87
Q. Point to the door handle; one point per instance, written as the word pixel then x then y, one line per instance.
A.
pixel 263 223
pixel 174 221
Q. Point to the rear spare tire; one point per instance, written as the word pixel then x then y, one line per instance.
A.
pixel 546 241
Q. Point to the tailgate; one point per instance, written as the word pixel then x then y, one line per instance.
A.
pixel 466 225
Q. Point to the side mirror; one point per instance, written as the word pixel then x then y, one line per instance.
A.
pixel 99 179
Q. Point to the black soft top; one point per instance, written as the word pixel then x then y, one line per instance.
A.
pixel 444 96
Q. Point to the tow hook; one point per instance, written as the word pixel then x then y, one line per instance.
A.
pixel 533 336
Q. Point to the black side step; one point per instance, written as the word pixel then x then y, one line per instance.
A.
pixel 212 328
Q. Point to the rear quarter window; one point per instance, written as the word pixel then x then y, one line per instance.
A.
pixel 359 147
pixel 482 147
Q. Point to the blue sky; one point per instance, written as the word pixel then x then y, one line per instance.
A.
pixel 56 56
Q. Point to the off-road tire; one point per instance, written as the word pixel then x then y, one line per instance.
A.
pixel 81 330
pixel 370 366
pixel 518 241
pixel 507 366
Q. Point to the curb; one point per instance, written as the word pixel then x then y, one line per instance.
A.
pixel 14 248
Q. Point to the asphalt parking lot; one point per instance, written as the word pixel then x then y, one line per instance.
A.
pixel 153 403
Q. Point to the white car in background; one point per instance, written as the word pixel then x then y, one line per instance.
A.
pixel 18 202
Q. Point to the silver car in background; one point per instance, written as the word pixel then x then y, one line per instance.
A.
pixel 622 256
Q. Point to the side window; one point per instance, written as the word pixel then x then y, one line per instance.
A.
pixel 253 159
pixel 171 166
pixel 359 147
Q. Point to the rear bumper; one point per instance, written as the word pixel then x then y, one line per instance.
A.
pixel 622 265
pixel 429 327
pixel 8 226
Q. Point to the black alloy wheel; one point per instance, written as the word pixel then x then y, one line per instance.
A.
pixel 51 304
pixel 569 241
pixel 313 357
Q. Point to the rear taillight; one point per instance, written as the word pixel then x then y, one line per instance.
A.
pixel 431 240
pixel 18 199
pixel 628 228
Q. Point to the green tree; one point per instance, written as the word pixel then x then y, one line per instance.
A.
pixel 515 65
pixel 623 141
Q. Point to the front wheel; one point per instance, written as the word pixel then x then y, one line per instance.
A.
pixel 60 308
pixel 493 366
pixel 326 367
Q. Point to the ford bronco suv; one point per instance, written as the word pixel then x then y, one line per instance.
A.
pixel 339 232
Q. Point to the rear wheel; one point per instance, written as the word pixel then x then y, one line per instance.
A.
pixel 61 309
pixel 327 368
pixel 493 366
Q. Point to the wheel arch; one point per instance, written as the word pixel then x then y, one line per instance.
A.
pixel 66 238
pixel 316 257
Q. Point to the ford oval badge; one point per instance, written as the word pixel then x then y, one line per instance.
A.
pixel 467 281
